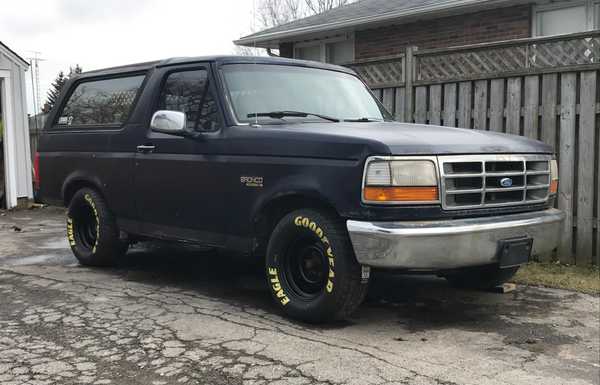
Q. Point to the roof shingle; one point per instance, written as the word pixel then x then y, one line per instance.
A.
pixel 357 13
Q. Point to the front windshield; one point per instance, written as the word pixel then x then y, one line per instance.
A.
pixel 265 88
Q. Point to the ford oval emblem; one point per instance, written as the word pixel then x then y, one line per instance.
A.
pixel 506 182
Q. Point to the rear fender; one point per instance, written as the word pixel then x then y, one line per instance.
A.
pixel 78 180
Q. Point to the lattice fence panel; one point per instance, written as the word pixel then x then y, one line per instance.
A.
pixel 382 73
pixel 503 59
pixel 558 53
pixel 469 64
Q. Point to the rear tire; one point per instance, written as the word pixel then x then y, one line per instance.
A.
pixel 92 231
pixel 481 277
pixel 311 269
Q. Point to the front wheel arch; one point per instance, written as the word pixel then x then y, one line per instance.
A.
pixel 269 214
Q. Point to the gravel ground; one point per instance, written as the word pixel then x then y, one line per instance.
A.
pixel 175 315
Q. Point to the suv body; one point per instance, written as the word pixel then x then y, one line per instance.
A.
pixel 467 204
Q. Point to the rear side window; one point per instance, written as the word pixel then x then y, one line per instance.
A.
pixel 190 93
pixel 105 102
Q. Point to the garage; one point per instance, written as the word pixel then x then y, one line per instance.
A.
pixel 15 156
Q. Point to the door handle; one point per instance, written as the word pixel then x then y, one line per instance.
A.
pixel 145 149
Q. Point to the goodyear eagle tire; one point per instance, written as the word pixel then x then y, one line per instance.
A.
pixel 311 269
pixel 481 277
pixel 92 231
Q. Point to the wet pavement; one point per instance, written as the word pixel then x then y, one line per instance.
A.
pixel 181 315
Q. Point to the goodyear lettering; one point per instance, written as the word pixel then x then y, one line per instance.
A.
pixel 276 287
pixel 312 225
pixel 329 286
pixel 89 199
pixel 319 232
pixel 70 233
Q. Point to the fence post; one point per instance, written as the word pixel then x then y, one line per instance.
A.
pixel 566 165
pixel 409 75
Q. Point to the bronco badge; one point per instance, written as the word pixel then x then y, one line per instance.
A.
pixel 252 181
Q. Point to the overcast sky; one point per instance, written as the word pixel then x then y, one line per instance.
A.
pixel 104 33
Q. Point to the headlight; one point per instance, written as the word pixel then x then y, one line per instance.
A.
pixel 389 181
pixel 554 176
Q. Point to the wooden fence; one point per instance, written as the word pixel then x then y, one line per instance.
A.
pixel 542 88
pixel 36 123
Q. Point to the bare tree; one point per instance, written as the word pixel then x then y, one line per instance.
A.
pixel 272 13
pixel 320 6
pixel 248 51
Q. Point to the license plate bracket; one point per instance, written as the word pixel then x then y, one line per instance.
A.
pixel 514 251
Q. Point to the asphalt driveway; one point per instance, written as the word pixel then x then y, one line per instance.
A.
pixel 174 315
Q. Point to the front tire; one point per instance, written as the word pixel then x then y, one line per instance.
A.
pixel 311 269
pixel 481 277
pixel 92 231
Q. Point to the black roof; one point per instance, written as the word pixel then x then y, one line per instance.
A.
pixel 222 59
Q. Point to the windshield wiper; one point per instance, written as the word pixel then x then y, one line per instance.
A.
pixel 363 120
pixel 296 114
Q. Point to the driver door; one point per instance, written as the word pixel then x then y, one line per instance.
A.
pixel 176 178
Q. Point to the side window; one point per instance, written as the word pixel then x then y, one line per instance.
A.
pixel 100 102
pixel 189 92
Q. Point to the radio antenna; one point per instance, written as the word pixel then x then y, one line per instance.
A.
pixel 34 63
pixel 254 53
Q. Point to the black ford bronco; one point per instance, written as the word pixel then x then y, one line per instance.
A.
pixel 296 161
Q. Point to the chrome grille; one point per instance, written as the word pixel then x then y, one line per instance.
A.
pixel 477 181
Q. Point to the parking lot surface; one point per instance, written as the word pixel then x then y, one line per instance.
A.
pixel 179 315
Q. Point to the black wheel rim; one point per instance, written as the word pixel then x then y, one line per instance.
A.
pixel 305 267
pixel 86 227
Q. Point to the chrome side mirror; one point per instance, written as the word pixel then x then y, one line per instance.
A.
pixel 169 122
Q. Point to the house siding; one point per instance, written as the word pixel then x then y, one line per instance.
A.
pixel 20 128
pixel 480 27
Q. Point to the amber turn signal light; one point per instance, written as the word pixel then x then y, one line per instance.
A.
pixel 554 186
pixel 401 194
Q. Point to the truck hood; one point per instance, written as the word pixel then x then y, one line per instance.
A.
pixel 415 139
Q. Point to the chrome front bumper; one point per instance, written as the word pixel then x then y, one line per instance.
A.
pixel 449 244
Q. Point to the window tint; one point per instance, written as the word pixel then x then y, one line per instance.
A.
pixel 101 102
pixel 189 92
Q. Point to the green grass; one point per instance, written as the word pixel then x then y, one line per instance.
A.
pixel 577 278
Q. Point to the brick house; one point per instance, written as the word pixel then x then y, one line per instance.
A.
pixel 377 28
pixel 522 67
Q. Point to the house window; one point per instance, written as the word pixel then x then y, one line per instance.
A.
pixel 309 53
pixel 341 52
pixel 338 50
pixel 566 17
